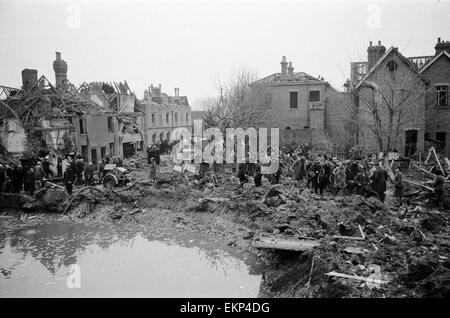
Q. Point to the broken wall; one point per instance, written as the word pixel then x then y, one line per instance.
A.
pixel 13 136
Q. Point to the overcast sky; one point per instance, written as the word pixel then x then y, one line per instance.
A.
pixel 190 44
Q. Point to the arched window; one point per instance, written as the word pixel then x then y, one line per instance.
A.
pixel 168 136
pixel 392 66
pixel 154 138
pixel 161 136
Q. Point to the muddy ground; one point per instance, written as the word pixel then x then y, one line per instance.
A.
pixel 405 249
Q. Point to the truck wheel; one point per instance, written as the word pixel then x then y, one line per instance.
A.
pixel 109 182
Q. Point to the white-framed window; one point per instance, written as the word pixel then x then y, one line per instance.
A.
pixel 442 95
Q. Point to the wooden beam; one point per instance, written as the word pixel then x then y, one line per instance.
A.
pixel 438 161
pixel 424 170
pixel 428 156
pixel 283 244
pixel 361 278
pixel 419 185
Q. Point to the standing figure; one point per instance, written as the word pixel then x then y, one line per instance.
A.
pixel 399 186
pixel 119 162
pixel 258 176
pixel 361 181
pixel 79 167
pixel 378 185
pixel 69 177
pixel 17 179
pixel 59 165
pixel 39 174
pixel 242 174
pixel 101 168
pixel 340 178
pixel 297 168
pixel 107 158
pixel 439 191
pixel 30 181
pixel 152 174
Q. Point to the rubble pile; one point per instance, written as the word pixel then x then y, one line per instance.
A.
pixel 314 245
pixel 357 236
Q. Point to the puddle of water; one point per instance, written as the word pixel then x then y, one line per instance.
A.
pixel 119 262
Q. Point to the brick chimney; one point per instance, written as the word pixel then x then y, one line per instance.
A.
pixel 290 69
pixel 284 66
pixel 29 78
pixel 177 92
pixel 442 46
pixel 60 68
pixel 374 53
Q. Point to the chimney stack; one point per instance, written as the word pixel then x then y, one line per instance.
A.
pixel 290 69
pixel 284 66
pixel 177 92
pixel 60 68
pixel 29 78
pixel 374 53
pixel 442 46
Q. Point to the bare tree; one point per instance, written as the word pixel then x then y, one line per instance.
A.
pixel 237 104
pixel 391 106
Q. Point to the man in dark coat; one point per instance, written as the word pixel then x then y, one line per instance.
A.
pixel 242 174
pixel 149 154
pixel 17 179
pixel 258 176
pixel 439 190
pixel 379 179
pixel 30 181
pixel 79 167
pixel 59 162
pixel 69 177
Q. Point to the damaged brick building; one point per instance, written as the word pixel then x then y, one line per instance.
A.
pixel 416 86
pixel 165 113
pixel 296 103
pixel 60 118
pixel 437 71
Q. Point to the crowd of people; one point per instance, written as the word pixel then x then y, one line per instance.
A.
pixel 31 176
pixel 322 173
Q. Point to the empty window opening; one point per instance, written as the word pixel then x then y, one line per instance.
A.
pixel 392 66
pixel 442 95
pixel 294 99
pixel 314 96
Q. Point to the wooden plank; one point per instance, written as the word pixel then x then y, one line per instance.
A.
pixel 424 170
pixel 363 236
pixel 283 244
pixel 419 185
pixel 438 161
pixel 428 156
pixel 361 278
